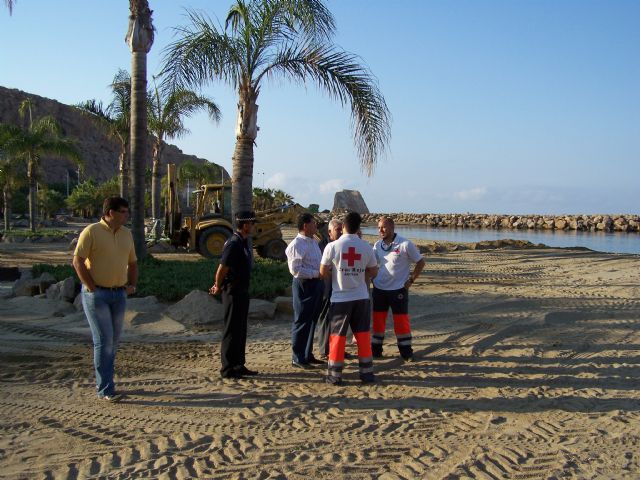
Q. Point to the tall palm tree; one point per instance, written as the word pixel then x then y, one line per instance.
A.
pixel 114 120
pixel 9 180
pixel 140 39
pixel 167 108
pixel 10 177
pixel 42 137
pixel 267 38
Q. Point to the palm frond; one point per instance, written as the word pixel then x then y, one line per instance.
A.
pixel 120 106
pixel 200 54
pixel 94 107
pixel 46 126
pixel 341 75
pixel 9 4
pixel 311 18
pixel 62 148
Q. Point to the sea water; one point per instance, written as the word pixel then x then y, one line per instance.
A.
pixel 612 242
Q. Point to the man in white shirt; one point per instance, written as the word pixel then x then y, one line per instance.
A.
pixel 349 261
pixel 303 257
pixel 395 255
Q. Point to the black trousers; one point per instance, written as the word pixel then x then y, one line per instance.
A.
pixel 234 333
pixel 323 327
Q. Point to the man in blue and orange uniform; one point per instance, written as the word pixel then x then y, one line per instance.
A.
pixel 349 261
pixel 395 255
pixel 232 281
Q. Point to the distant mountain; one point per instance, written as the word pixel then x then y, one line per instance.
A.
pixel 99 152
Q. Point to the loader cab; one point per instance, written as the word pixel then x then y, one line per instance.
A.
pixel 213 201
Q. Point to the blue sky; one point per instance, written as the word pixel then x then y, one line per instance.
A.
pixel 511 106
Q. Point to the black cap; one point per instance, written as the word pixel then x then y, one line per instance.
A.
pixel 246 216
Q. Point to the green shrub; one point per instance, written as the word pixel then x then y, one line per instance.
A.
pixel 171 280
pixel 43 232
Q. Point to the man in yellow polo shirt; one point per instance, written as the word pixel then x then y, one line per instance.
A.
pixel 106 263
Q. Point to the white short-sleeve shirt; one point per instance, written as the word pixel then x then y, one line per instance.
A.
pixel 394 262
pixel 349 257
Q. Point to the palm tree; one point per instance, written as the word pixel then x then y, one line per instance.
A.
pixel 115 121
pixel 41 137
pixel 281 198
pixel 267 38
pixel 10 179
pixel 166 112
pixel 140 39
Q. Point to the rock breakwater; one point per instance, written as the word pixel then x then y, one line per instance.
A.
pixel 606 223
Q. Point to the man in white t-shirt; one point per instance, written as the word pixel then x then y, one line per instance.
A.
pixel 395 255
pixel 349 261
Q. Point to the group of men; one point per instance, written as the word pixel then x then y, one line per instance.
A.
pixel 330 286
pixel 350 264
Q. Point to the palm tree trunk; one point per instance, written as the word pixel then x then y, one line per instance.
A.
pixel 32 196
pixel 242 161
pixel 242 164
pixel 156 175
pixel 138 147
pixel 124 171
pixel 139 38
pixel 6 194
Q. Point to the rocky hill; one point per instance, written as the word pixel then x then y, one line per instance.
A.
pixel 99 152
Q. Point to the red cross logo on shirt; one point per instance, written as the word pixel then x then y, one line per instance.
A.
pixel 351 256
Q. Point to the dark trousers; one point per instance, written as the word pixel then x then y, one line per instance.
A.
pixel 307 301
pixel 234 333
pixel 398 301
pixel 323 327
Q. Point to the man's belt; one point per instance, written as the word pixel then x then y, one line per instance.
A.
pixel 123 287
pixel 305 280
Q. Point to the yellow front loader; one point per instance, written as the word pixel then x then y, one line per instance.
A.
pixel 210 226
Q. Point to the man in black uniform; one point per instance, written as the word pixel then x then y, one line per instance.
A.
pixel 232 280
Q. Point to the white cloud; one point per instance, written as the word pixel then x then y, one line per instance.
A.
pixel 277 181
pixel 333 185
pixel 471 194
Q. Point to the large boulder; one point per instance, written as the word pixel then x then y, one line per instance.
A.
pixel 65 290
pixel 349 200
pixel 37 306
pixel 197 308
pixel 284 305
pixel 146 315
pixel 261 309
pixel 28 287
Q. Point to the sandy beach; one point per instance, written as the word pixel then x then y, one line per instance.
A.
pixel 527 366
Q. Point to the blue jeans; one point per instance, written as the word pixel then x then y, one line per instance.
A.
pixel 307 303
pixel 105 313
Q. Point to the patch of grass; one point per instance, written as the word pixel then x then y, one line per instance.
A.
pixel 45 232
pixel 171 280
